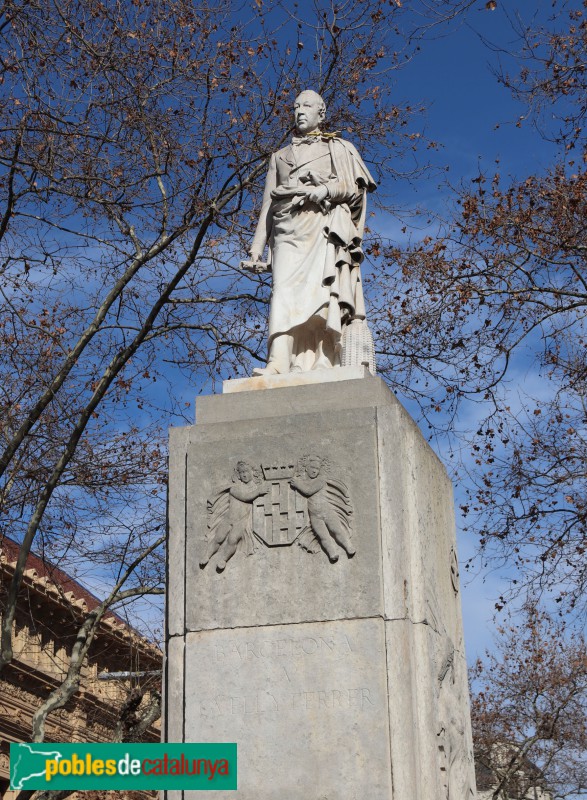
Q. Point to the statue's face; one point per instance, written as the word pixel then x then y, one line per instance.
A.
pixel 245 473
pixel 308 112
pixel 313 467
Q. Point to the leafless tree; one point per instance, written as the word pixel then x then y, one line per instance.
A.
pixel 133 141
pixel 500 291
pixel 529 710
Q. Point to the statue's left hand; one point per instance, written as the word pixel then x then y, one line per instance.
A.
pixel 318 194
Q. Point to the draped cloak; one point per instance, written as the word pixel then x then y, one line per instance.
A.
pixel 314 250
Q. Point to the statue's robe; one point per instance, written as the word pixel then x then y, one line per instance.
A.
pixel 314 250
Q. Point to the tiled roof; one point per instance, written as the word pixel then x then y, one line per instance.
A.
pixel 43 570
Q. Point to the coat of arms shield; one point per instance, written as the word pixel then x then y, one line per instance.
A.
pixel 280 515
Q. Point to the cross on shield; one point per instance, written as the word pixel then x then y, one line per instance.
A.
pixel 280 515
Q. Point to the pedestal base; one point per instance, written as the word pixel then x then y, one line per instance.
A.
pixel 340 678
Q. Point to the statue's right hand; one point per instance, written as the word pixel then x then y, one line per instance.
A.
pixel 255 263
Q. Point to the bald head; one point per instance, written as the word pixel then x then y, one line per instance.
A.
pixel 309 111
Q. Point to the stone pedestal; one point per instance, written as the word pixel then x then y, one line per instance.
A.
pixel 340 674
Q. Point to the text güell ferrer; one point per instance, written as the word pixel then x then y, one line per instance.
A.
pixel 85 766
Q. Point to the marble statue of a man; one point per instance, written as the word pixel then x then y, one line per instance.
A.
pixel 312 220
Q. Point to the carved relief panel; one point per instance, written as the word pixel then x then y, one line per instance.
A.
pixel 277 505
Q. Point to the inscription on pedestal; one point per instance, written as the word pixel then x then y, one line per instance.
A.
pixel 264 702
pixel 302 687
pixel 285 651
pixel 282 648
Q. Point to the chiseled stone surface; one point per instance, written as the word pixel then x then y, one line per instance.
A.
pixel 307 704
pixel 341 469
pixel 175 596
pixel 285 402
pixel 262 382
pixel 278 584
pixel 174 689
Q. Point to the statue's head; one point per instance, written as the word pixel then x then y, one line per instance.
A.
pixel 245 473
pixel 309 111
pixel 312 464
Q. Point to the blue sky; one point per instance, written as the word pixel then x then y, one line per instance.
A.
pixel 474 118
pixel 452 76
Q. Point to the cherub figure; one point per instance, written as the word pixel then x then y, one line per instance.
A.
pixel 231 515
pixel 329 507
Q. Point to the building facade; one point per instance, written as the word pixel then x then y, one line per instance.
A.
pixel 50 610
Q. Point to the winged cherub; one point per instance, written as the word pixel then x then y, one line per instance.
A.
pixel 329 507
pixel 230 514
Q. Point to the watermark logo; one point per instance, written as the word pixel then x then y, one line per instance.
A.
pixel 87 766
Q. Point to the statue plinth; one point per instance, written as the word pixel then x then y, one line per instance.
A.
pixel 314 609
